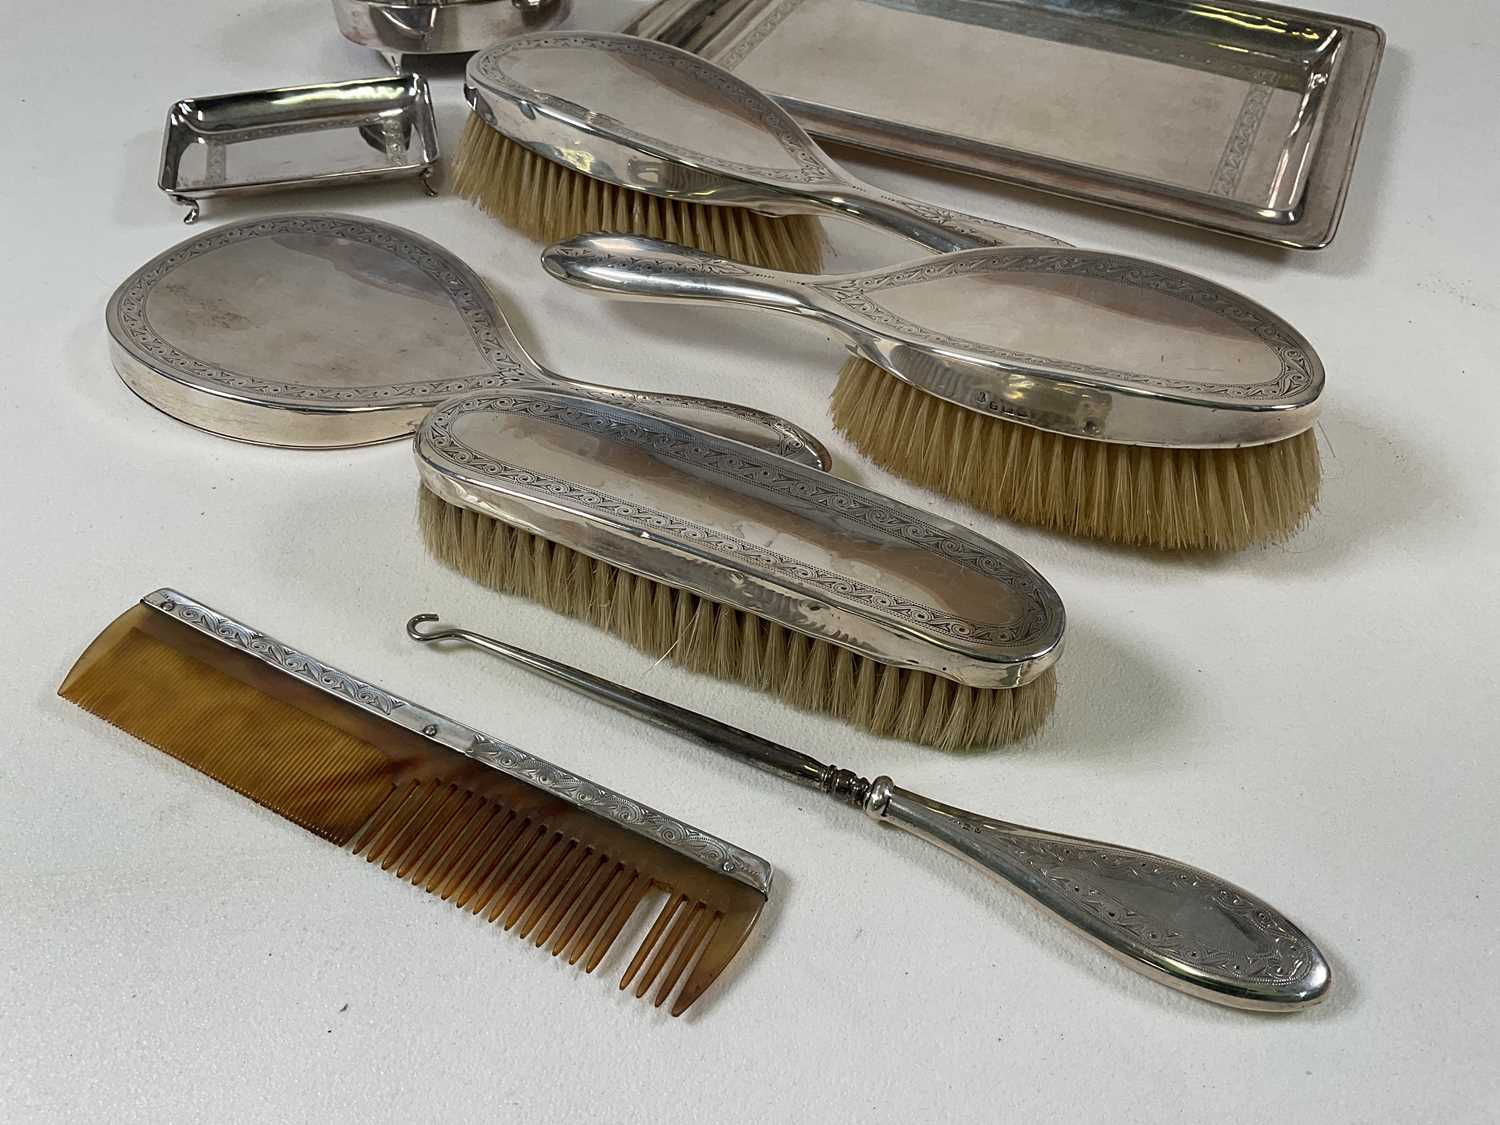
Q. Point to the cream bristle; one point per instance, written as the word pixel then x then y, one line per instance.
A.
pixel 1174 499
pixel 550 202
pixel 706 636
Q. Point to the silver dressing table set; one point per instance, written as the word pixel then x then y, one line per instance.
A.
pixel 322 330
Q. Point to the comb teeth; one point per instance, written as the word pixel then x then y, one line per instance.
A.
pixel 546 872
pixel 165 700
pixel 538 884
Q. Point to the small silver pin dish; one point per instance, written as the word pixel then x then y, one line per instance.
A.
pixel 297 136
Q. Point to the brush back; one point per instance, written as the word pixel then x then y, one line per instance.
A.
pixel 796 547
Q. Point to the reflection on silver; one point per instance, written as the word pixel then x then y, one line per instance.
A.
pixel 750 530
pixel 296 136
pixel 434 27
pixel 651 118
pixel 1243 117
pixel 1079 342
pixel 326 330
pixel 1174 923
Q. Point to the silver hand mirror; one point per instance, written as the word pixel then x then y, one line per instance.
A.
pixel 652 118
pixel 327 330
pixel 1079 342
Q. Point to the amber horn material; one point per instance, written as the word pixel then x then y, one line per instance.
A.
pixel 550 871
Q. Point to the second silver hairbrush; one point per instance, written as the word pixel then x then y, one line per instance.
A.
pixel 1084 343
pixel 651 118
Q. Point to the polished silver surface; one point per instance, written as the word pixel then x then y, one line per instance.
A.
pixel 1175 923
pixel 1240 117
pixel 649 117
pixel 325 330
pixel 803 549
pixel 1079 342
pixel 694 843
pixel 434 27
pixel 297 136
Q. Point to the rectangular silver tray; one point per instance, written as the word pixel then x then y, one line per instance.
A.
pixel 1239 117
pixel 330 132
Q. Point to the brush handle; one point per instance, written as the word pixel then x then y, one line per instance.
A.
pixel 621 265
pixel 634 267
pixel 927 224
pixel 1177 924
pixel 759 428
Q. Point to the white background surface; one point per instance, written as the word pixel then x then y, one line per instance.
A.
pixel 1315 721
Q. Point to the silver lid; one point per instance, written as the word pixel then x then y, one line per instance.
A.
pixel 761 533
pixel 434 27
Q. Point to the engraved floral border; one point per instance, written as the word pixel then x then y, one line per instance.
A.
pixel 485 67
pixel 1295 374
pixel 1241 140
pixel 697 845
pixel 474 306
pixel 1043 608
pixel 1287 957
pixel 1296 365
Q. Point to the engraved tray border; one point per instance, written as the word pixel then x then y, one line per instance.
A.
pixel 1311 227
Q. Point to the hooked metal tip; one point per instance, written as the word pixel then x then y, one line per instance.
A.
pixel 417 634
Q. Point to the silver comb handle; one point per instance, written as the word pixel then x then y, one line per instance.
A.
pixel 1178 924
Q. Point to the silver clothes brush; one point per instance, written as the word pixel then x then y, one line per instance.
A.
pixel 1177 924
pixel 581 131
pixel 742 564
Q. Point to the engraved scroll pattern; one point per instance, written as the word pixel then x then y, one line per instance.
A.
pixel 1237 149
pixel 1296 366
pixel 1282 955
pixel 683 838
pixel 468 300
pixel 1294 376
pixel 811 489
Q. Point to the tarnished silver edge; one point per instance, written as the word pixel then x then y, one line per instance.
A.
pixel 693 843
